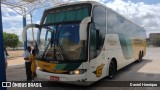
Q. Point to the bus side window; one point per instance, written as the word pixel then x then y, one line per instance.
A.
pixel 97 39
pixel 93 42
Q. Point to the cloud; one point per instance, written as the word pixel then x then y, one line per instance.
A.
pixel 12 21
pixel 17 18
pixel 146 15
pixel 9 17
pixel 15 30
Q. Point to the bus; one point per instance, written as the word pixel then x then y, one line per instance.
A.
pixel 83 42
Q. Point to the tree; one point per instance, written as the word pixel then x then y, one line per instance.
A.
pixel 10 40
pixel 20 44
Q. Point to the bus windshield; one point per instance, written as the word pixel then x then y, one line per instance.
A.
pixel 59 35
pixel 62 42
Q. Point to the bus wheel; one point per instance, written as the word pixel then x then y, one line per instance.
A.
pixel 112 70
pixel 140 57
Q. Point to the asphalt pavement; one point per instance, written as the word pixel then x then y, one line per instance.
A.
pixel 147 70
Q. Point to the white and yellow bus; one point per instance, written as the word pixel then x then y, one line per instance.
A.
pixel 85 41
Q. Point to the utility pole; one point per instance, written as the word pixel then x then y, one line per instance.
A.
pixel 24 24
pixel 2 59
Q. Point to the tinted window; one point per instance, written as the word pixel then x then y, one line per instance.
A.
pixel 116 24
pixel 98 31
pixel 70 15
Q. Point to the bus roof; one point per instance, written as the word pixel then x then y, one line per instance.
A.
pixel 74 3
pixel 93 3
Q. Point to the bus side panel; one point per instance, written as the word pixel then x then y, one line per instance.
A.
pixel 138 44
pixel 99 66
pixel 114 50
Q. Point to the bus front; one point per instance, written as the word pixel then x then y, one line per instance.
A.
pixel 63 44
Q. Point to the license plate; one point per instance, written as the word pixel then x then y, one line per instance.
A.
pixel 53 78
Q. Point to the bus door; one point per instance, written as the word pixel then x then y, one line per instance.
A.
pixel 94 54
pixel 97 37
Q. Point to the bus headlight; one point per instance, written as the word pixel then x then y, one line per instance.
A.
pixel 78 71
pixel 39 68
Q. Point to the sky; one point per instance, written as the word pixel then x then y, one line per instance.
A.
pixel 145 13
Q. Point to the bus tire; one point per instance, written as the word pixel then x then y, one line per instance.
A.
pixel 112 70
pixel 142 54
pixel 140 57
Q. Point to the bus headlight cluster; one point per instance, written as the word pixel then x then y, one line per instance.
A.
pixel 78 71
pixel 39 68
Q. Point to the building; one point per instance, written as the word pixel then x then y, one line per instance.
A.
pixel 154 39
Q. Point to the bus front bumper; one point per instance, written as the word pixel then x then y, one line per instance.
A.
pixel 64 78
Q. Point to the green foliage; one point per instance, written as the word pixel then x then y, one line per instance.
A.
pixel 10 40
pixel 21 44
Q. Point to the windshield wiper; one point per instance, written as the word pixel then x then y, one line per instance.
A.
pixel 45 50
pixel 61 51
pixel 55 42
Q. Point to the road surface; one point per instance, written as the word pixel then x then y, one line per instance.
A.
pixel 147 70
